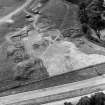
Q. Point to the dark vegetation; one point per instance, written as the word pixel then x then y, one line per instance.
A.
pixel 67 103
pixel 34 68
pixel 91 15
pixel 84 101
pixel 57 16
pixel 96 99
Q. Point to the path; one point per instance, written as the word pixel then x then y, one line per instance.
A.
pixel 38 94
pixel 8 18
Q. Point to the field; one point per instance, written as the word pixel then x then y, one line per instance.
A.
pixel 7 6
pixel 56 15
pixel 6 28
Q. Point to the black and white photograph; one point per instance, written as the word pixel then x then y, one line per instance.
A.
pixel 52 52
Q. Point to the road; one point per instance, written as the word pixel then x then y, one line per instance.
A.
pixel 8 18
pixel 74 100
pixel 38 94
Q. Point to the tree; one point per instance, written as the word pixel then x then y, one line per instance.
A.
pixel 68 103
pixel 98 99
pixel 91 15
pixel 84 101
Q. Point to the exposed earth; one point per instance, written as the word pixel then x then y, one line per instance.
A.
pixel 38 45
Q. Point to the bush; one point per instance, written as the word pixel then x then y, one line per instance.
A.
pixel 95 99
pixel 68 103
pixel 84 101
pixel 25 69
pixel 98 99
pixel 91 14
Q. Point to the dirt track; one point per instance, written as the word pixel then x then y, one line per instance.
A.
pixel 8 18
pixel 52 91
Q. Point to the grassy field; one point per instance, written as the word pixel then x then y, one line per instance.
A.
pixel 56 13
pixel 7 65
pixel 7 6
pixel 6 28
pixel 55 10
